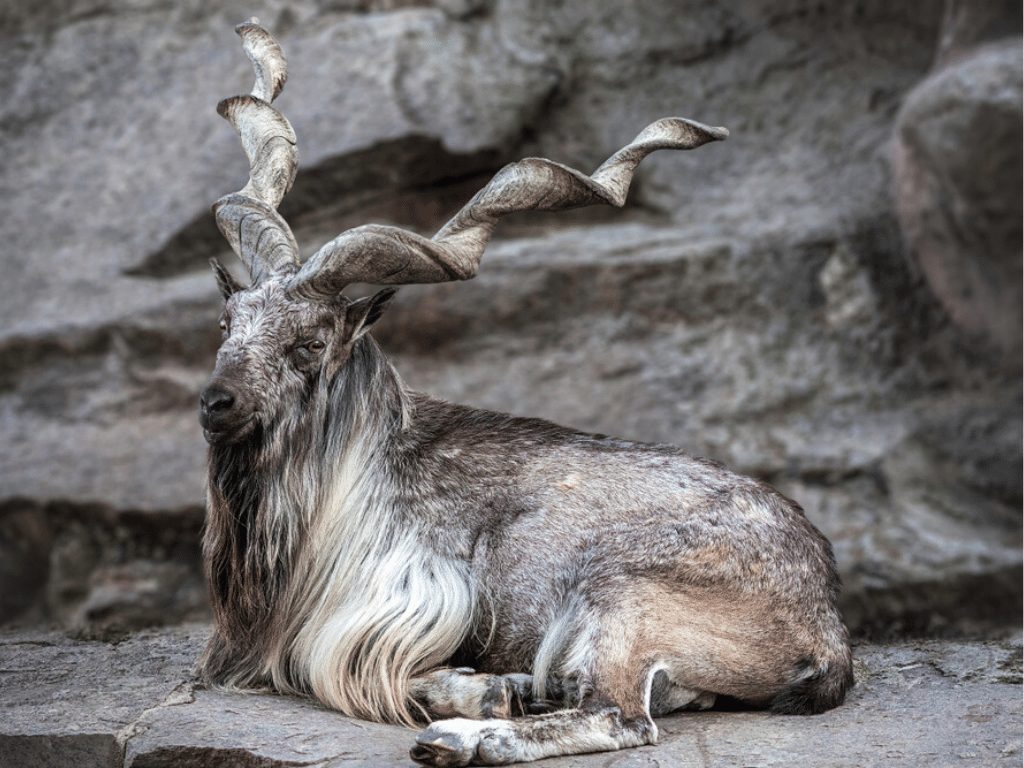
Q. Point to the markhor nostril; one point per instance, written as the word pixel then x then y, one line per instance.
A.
pixel 216 399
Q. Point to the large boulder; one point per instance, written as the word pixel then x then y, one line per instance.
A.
pixel 958 176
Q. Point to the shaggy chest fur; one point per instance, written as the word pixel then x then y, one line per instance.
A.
pixel 320 584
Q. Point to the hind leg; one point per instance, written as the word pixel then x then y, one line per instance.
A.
pixel 668 696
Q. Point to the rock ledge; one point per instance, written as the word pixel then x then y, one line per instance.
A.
pixel 133 704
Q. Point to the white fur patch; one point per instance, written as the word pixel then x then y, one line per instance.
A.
pixel 370 605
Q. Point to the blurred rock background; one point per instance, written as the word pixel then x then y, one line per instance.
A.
pixel 830 300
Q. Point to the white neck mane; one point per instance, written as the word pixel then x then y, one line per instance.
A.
pixel 367 603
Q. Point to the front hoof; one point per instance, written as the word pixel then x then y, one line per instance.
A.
pixel 497 747
pixel 444 747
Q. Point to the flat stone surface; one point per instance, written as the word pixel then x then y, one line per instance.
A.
pixel 72 703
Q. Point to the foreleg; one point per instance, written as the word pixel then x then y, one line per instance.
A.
pixel 459 742
pixel 461 692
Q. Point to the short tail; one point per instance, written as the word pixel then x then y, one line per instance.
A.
pixel 817 686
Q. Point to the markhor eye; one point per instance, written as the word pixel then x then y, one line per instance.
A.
pixel 315 345
pixel 224 325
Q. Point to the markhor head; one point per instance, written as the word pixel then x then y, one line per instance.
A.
pixel 292 330
pixel 278 348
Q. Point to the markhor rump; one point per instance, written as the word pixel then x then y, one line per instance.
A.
pixel 404 559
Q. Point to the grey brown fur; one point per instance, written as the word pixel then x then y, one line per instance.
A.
pixel 405 559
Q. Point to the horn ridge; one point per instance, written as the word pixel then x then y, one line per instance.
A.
pixel 271 146
pixel 390 255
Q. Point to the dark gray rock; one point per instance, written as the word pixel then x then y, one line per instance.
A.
pixel 958 181
pixel 73 703
pixel 215 728
pixel 753 302
pixel 99 570
pixel 80 704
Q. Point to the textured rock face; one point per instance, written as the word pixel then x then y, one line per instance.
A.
pixel 66 703
pixel 753 303
pixel 958 179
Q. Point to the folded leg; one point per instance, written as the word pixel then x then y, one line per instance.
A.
pixel 614 714
pixel 461 692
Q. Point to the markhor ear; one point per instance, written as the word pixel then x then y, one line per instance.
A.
pixel 363 313
pixel 225 281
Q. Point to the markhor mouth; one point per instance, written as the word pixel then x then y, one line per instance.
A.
pixel 231 434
